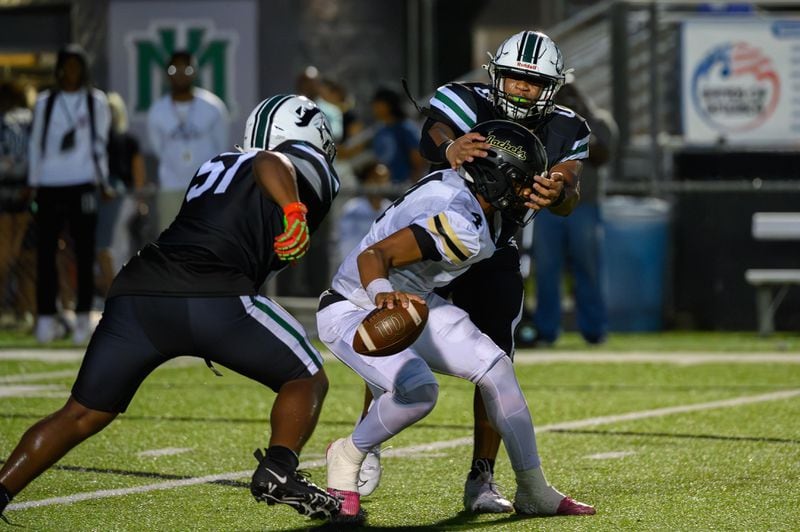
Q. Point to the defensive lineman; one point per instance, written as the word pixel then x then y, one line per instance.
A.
pixel 194 292
pixel 435 232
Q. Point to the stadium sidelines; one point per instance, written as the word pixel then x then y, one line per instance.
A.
pixel 415 450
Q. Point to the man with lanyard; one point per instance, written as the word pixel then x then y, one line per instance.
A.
pixel 67 163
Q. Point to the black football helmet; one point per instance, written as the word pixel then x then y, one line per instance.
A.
pixel 515 156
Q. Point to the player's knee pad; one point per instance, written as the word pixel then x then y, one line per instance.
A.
pixel 416 386
pixel 422 397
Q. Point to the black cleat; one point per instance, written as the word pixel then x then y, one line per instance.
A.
pixel 273 483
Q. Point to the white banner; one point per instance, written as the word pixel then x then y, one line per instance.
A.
pixel 221 35
pixel 741 80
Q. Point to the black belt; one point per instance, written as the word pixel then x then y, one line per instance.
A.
pixel 329 297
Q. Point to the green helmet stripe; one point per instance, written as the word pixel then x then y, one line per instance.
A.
pixel 263 118
pixel 255 122
pixel 529 47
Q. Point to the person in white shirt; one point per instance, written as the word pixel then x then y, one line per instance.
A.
pixel 185 127
pixel 68 164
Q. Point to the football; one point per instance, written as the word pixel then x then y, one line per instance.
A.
pixel 388 331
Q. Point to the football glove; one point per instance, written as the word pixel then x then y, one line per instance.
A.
pixel 294 241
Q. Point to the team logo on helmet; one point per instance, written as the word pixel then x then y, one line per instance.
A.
pixel 506 145
pixel 506 173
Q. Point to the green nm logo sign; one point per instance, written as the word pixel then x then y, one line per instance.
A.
pixel 149 51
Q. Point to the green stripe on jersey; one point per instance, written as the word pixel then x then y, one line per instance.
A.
pixel 291 330
pixel 579 149
pixel 442 97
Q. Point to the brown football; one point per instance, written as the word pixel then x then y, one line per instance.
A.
pixel 388 331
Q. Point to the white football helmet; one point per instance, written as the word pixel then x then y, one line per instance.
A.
pixel 533 56
pixel 288 117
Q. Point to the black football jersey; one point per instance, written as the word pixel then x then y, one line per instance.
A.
pixel 461 106
pixel 564 133
pixel 221 242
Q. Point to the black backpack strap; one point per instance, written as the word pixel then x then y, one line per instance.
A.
pixel 48 112
pixel 92 125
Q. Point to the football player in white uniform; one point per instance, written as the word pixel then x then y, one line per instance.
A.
pixel 526 73
pixel 435 232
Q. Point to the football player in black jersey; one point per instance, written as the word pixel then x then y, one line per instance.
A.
pixel 194 291
pixel 526 73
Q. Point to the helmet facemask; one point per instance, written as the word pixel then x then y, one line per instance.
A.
pixel 532 57
pixel 514 107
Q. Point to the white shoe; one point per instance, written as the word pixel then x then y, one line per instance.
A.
pixel 83 329
pixel 481 495
pixel 370 474
pixel 48 328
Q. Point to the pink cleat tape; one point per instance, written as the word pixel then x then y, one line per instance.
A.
pixel 569 506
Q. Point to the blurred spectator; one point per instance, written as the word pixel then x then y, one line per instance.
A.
pixel 310 84
pixel 186 127
pixel 359 212
pixel 396 141
pixel 68 161
pixel 337 94
pixel 126 175
pixel 15 125
pixel 575 241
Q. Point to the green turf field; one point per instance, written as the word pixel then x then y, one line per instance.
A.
pixel 660 432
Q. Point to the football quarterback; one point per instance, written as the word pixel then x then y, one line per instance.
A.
pixel 526 72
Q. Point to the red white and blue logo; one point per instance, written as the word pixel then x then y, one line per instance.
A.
pixel 735 88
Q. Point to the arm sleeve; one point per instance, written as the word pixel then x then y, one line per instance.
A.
pixel 34 144
pixel 154 133
pixel 456 239
pixel 102 121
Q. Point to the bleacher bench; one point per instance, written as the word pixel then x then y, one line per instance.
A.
pixel 772 226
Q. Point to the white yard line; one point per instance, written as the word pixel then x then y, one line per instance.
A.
pixel 168 451
pixel 414 450
pixel 605 357
pixel 26 390
pixel 43 355
pixel 611 455
pixel 41 376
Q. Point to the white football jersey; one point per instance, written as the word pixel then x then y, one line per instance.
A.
pixel 443 206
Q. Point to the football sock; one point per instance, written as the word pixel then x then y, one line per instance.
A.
pixel 481 465
pixel 5 498
pixel 508 412
pixel 533 487
pixel 391 413
pixel 283 456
